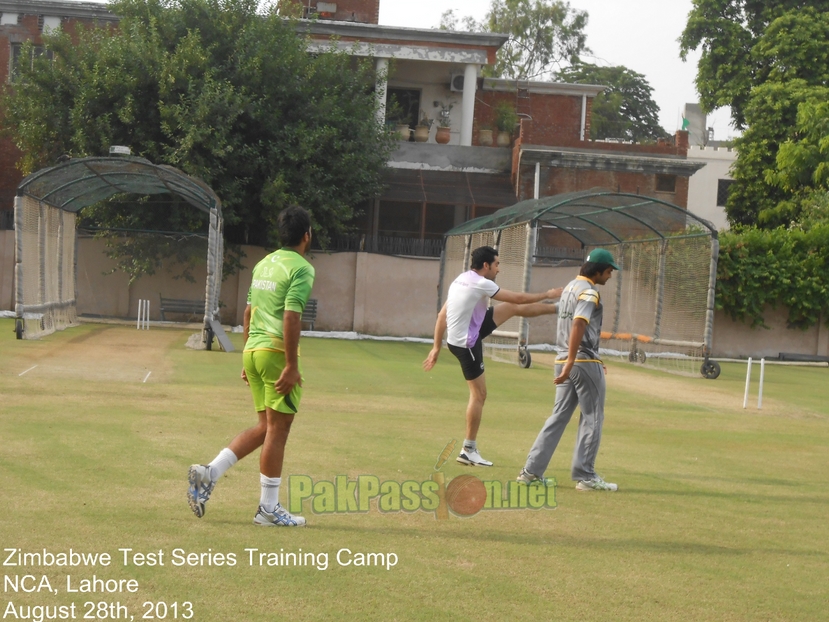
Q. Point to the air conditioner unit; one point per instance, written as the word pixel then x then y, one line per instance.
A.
pixel 456 82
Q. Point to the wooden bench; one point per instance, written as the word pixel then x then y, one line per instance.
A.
pixel 180 305
pixel 309 316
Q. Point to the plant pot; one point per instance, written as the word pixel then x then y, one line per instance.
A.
pixel 404 130
pixel 442 135
pixel 485 137
pixel 421 133
pixel 504 139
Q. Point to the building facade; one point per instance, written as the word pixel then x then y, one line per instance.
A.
pixel 458 158
pixel 22 21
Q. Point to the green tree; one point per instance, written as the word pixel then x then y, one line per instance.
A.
pixel 544 35
pixel 625 109
pixel 743 47
pixel 802 162
pixel 764 60
pixel 220 90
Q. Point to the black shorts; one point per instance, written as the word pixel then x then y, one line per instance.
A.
pixel 472 359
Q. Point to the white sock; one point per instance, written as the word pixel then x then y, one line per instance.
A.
pixel 269 497
pixel 222 463
pixel 470 445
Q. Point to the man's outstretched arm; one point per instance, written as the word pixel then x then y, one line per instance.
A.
pixel 522 298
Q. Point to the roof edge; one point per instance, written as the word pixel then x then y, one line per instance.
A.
pixel 378 31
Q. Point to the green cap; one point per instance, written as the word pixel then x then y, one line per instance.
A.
pixel 600 255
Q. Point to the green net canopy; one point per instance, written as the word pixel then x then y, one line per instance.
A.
pixel 85 181
pixel 46 206
pixel 595 217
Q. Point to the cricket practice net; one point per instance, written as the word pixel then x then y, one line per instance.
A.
pixel 46 205
pixel 658 309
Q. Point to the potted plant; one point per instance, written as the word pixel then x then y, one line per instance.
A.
pixel 421 131
pixel 485 135
pixel 442 135
pixel 396 119
pixel 505 120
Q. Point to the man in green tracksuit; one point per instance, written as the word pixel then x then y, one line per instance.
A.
pixel 280 287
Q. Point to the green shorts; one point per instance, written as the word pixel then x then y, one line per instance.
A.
pixel 263 368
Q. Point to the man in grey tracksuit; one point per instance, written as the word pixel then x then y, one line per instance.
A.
pixel 579 378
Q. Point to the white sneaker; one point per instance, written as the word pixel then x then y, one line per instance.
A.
pixel 527 477
pixel 597 483
pixel 199 488
pixel 280 517
pixel 472 458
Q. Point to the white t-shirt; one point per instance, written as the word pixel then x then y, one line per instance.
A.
pixel 466 306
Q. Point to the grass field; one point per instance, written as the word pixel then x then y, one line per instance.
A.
pixel 721 512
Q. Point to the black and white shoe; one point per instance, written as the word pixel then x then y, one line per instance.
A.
pixel 471 457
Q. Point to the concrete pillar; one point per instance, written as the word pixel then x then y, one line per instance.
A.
pixel 381 86
pixel 537 180
pixel 822 338
pixel 360 292
pixel 470 84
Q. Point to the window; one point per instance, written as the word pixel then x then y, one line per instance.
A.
pixel 439 219
pixel 723 188
pixel 400 219
pixel 17 51
pixel 403 105
pixel 666 183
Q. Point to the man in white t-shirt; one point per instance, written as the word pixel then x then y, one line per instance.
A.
pixel 466 320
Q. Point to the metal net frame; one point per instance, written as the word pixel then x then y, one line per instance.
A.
pixel 46 237
pixel 658 309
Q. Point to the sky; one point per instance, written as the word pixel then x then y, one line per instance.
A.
pixel 639 34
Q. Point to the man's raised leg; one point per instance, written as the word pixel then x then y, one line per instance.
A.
pixel 506 310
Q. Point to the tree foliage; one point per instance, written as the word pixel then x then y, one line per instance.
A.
pixel 545 35
pixel 759 268
pixel 748 42
pixel 625 109
pixel 223 92
pixel 802 163
pixel 764 60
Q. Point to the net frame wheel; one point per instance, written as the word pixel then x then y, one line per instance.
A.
pixel 637 356
pixel 18 329
pixel 710 370
pixel 524 358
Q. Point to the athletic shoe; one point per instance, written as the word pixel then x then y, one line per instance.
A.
pixel 278 518
pixel 597 483
pixel 527 477
pixel 198 492
pixel 472 458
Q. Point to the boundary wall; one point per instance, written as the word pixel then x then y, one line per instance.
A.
pixel 369 293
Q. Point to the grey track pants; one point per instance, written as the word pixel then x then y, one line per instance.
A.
pixel 584 388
